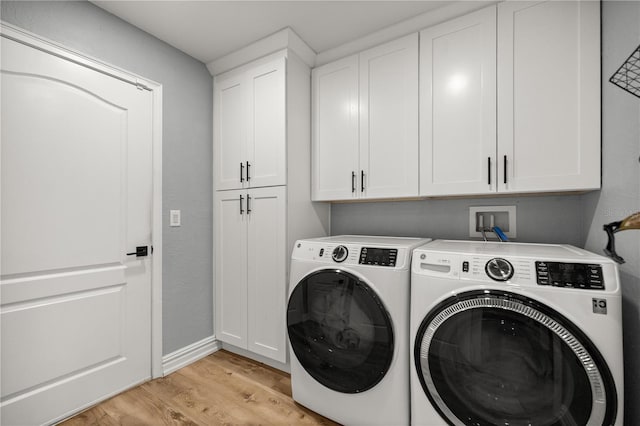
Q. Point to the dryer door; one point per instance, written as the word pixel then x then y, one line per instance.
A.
pixel 340 331
pixel 489 358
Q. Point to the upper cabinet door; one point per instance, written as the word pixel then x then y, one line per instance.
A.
pixel 458 106
pixel 266 144
pixel 230 131
pixel 389 119
pixel 548 96
pixel 335 147
pixel 249 144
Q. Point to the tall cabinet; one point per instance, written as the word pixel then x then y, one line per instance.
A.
pixel 262 200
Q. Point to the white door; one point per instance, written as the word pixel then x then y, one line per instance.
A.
pixel 230 131
pixel 231 267
pixel 548 96
pixel 389 119
pixel 266 145
pixel 335 147
pixel 458 106
pixel 267 272
pixel 76 197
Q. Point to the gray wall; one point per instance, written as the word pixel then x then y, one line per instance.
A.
pixel 550 219
pixel 187 134
pixel 620 194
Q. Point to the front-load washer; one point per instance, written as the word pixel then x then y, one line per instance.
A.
pixel 348 327
pixel 515 334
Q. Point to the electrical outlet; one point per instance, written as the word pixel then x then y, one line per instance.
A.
pixel 486 217
pixel 174 217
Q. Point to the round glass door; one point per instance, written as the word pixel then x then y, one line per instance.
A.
pixel 497 358
pixel 340 331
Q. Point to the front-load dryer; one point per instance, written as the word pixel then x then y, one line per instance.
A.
pixel 348 327
pixel 515 334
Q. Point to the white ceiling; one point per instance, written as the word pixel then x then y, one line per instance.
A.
pixel 208 30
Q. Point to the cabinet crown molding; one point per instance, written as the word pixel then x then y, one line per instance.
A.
pixel 283 39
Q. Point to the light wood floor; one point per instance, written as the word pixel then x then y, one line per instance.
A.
pixel 222 388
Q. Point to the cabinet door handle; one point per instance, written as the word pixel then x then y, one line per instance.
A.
pixel 248 176
pixel 361 180
pixel 248 205
pixel 489 170
pixel 241 199
pixel 241 172
pixel 353 182
pixel 505 168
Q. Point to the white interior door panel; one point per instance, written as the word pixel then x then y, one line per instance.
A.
pixel 76 187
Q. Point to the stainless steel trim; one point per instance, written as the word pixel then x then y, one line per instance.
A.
pixel 599 403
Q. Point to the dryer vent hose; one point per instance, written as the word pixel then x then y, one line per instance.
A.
pixel 631 222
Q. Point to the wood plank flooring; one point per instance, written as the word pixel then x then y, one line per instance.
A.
pixel 222 388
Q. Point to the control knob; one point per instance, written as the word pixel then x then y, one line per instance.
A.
pixel 499 269
pixel 339 254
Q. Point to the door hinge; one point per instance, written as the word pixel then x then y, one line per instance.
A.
pixel 141 86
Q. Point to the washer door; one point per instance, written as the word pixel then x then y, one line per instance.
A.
pixel 340 331
pixel 497 358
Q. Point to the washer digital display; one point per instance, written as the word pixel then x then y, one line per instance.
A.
pixel 378 256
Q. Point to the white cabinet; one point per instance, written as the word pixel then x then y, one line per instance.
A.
pixel 251 269
pixel 255 227
pixel 458 106
pixel 546 90
pixel 249 138
pixel 548 96
pixel 335 130
pixel 230 236
pixel 365 116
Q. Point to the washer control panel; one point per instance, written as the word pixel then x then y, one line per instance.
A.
pixel 378 256
pixel 343 254
pixel 572 275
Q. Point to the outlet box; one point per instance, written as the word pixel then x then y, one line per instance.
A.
pixel 174 218
pixel 487 216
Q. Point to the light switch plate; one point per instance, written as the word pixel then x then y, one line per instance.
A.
pixel 174 217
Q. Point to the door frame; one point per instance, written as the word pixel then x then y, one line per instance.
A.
pixel 30 39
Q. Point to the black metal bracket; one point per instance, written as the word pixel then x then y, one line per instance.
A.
pixel 630 222
pixel 610 250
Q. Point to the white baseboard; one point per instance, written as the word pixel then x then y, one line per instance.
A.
pixel 189 354
pixel 263 359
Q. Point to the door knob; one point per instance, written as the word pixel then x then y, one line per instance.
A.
pixel 141 251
